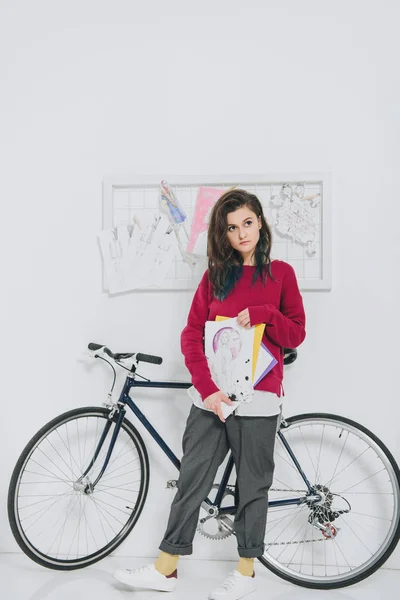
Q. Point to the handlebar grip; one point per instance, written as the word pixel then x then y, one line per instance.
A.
pixel 290 355
pixel 149 358
pixel 93 346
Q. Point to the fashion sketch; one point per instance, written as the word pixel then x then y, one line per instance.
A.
pixel 229 351
pixel 296 215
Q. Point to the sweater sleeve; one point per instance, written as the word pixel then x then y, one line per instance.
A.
pixel 285 327
pixel 192 345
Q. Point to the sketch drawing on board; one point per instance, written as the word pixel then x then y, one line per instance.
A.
pixel 296 217
pixel 139 254
pixel 170 206
pixel 229 350
pixel 154 258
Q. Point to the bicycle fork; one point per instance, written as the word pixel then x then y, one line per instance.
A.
pixel 83 483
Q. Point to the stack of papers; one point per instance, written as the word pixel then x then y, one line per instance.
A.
pixel 237 360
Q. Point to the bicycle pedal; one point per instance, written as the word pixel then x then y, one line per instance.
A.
pixel 171 484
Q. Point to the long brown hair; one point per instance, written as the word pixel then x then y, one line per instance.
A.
pixel 225 264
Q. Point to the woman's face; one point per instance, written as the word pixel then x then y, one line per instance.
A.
pixel 243 231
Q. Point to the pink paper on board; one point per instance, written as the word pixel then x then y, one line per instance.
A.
pixel 206 198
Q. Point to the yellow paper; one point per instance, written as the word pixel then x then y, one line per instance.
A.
pixel 257 341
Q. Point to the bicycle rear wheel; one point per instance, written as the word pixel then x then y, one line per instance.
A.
pixel 359 483
pixel 61 522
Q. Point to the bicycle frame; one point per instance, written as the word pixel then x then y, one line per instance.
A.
pixel 125 399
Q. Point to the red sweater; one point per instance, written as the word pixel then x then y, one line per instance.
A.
pixel 278 304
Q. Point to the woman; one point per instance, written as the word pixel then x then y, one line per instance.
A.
pixel 241 281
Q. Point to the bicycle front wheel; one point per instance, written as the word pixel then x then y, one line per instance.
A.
pixel 58 519
pixel 354 528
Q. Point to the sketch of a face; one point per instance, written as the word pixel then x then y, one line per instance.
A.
pixel 227 340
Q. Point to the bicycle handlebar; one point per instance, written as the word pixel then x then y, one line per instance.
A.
pixel 140 357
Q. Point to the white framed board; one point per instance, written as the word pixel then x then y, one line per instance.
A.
pixel 297 206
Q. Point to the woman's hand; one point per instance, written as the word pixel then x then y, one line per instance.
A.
pixel 244 318
pixel 213 402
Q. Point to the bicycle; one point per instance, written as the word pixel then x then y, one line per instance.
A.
pixel 81 482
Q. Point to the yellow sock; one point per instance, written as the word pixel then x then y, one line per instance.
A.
pixel 245 566
pixel 166 563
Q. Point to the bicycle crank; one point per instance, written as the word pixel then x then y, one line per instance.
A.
pixel 223 526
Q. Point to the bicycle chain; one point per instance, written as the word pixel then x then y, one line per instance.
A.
pixel 295 542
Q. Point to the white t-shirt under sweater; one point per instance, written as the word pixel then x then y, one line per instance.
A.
pixel 262 404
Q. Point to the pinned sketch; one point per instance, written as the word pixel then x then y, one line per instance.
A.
pixel 170 206
pixel 229 351
pixel 139 254
pixel 155 251
pixel 295 216
pixel 206 198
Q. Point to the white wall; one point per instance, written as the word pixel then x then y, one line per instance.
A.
pixel 92 89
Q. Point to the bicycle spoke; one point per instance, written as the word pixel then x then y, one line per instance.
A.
pixel 77 526
pixel 115 496
pixel 308 451
pixel 43 511
pixel 127 474
pixel 62 528
pixel 339 457
pixel 328 483
pixel 286 527
pixel 288 487
pixel 46 469
pixel 101 521
pixel 44 475
pixel 71 457
pixel 353 512
pixel 292 538
pixel 107 474
pixel 291 465
pixel 362 480
pixel 298 546
pixel 101 487
pixel 42 501
pixel 319 455
pixel 104 510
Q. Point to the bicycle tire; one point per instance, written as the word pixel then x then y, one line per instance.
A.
pixel 29 547
pixel 390 542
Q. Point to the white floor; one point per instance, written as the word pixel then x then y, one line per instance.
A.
pixel 21 579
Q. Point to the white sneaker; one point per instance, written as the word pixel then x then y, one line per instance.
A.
pixel 147 577
pixel 234 587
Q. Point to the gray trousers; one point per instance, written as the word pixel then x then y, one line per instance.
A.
pixel 205 443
